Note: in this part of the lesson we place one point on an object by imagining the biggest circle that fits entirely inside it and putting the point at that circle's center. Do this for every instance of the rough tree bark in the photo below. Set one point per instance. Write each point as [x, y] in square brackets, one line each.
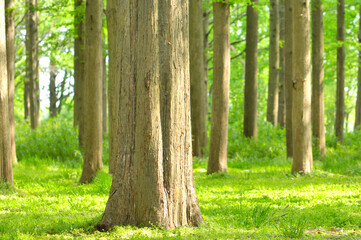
[52, 89]
[250, 89]
[79, 65]
[302, 151]
[358, 103]
[340, 94]
[32, 54]
[318, 119]
[272, 101]
[282, 87]
[153, 180]
[93, 137]
[288, 74]
[220, 98]
[198, 88]
[10, 53]
[6, 172]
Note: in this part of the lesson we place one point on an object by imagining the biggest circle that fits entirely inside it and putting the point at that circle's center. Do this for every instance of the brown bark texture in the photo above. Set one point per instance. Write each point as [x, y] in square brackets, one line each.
[10, 53]
[358, 103]
[79, 67]
[32, 54]
[272, 101]
[6, 172]
[206, 13]
[220, 97]
[301, 122]
[153, 179]
[52, 90]
[340, 93]
[198, 86]
[93, 137]
[250, 89]
[318, 118]
[282, 87]
[288, 74]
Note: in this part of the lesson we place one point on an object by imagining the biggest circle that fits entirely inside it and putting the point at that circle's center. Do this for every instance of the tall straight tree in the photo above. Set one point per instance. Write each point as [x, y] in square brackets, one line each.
[318, 119]
[272, 101]
[6, 172]
[32, 54]
[250, 89]
[10, 53]
[340, 94]
[301, 122]
[288, 74]
[52, 87]
[282, 87]
[153, 178]
[221, 77]
[206, 13]
[93, 90]
[358, 103]
[79, 67]
[198, 85]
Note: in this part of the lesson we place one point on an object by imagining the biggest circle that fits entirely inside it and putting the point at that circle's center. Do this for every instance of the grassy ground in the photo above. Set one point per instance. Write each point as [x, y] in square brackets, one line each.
[255, 200]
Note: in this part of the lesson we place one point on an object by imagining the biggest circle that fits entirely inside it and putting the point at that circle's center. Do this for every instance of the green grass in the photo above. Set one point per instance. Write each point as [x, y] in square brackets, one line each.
[256, 200]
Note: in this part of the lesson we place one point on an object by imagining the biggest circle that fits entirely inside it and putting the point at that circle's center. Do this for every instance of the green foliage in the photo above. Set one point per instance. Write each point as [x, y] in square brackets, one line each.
[56, 139]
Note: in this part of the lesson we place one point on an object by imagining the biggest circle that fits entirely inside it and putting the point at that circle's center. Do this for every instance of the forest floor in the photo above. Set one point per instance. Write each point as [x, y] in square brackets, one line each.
[255, 200]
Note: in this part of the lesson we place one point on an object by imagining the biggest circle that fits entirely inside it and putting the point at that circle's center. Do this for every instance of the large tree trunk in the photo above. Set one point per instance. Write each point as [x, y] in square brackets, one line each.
[282, 87]
[220, 97]
[206, 13]
[10, 53]
[340, 94]
[250, 89]
[32, 50]
[301, 122]
[93, 90]
[153, 180]
[198, 87]
[358, 103]
[272, 101]
[288, 74]
[318, 119]
[6, 172]
[52, 89]
[79, 65]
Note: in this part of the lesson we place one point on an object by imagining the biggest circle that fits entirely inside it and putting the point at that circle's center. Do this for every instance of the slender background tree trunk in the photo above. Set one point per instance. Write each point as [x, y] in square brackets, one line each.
[206, 13]
[282, 87]
[10, 53]
[272, 102]
[318, 119]
[52, 89]
[302, 151]
[250, 89]
[198, 86]
[288, 74]
[93, 90]
[104, 96]
[340, 94]
[6, 172]
[220, 96]
[358, 103]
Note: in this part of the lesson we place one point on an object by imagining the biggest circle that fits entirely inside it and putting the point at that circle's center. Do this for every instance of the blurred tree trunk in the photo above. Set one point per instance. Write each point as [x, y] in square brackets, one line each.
[274, 55]
[220, 97]
[302, 151]
[358, 103]
[250, 89]
[340, 94]
[288, 74]
[318, 119]
[153, 180]
[104, 97]
[79, 64]
[206, 13]
[32, 53]
[282, 87]
[93, 90]
[52, 89]
[198, 86]
[10, 53]
[26, 95]
[6, 172]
